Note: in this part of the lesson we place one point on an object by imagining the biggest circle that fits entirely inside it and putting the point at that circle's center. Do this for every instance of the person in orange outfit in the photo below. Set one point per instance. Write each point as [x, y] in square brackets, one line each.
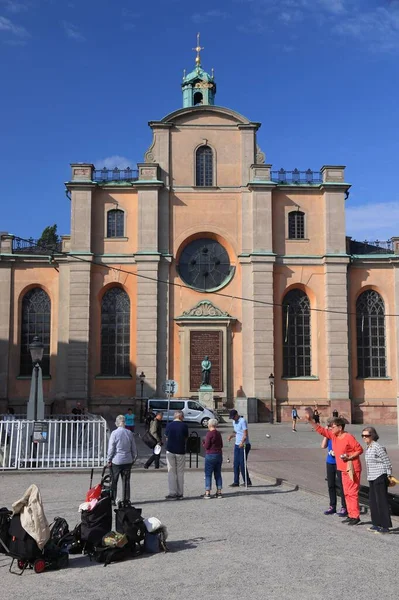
[347, 451]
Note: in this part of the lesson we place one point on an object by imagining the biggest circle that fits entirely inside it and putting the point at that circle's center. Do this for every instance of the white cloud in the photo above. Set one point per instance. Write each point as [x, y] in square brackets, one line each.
[73, 32]
[9, 27]
[111, 162]
[209, 15]
[377, 221]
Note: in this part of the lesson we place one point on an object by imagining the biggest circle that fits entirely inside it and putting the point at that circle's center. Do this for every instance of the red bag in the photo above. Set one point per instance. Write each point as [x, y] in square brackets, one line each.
[94, 493]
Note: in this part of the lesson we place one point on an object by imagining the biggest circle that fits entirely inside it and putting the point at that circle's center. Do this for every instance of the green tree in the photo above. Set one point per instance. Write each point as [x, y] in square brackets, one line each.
[49, 237]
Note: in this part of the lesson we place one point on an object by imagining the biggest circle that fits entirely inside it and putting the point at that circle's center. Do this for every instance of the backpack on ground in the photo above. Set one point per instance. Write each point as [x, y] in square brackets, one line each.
[128, 520]
[59, 529]
[155, 541]
[22, 546]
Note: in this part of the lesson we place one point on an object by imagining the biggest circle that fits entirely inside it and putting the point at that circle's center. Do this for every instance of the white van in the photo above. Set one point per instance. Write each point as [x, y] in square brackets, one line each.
[193, 411]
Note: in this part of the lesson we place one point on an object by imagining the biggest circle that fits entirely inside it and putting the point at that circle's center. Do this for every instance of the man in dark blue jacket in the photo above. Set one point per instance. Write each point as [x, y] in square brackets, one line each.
[176, 437]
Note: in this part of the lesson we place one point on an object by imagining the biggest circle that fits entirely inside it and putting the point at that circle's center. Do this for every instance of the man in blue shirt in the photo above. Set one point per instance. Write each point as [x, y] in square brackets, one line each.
[242, 445]
[176, 434]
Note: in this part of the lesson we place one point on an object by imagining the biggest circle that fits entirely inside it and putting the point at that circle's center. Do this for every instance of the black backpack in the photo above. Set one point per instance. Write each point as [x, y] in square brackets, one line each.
[106, 555]
[150, 417]
[58, 531]
[128, 520]
[5, 518]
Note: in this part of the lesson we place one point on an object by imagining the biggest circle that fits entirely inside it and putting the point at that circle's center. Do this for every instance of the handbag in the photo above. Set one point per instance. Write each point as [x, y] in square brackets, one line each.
[392, 481]
[149, 440]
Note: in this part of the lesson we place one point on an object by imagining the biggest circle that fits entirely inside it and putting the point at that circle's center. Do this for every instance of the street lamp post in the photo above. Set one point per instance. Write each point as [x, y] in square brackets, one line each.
[36, 349]
[271, 381]
[142, 380]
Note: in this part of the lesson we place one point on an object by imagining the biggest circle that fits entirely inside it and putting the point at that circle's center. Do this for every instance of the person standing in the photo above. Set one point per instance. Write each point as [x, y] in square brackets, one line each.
[379, 469]
[122, 453]
[176, 438]
[213, 445]
[347, 451]
[155, 430]
[294, 416]
[334, 480]
[242, 444]
[129, 420]
[316, 416]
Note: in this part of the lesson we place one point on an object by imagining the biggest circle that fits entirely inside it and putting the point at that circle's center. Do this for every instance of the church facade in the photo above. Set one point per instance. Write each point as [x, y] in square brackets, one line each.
[205, 250]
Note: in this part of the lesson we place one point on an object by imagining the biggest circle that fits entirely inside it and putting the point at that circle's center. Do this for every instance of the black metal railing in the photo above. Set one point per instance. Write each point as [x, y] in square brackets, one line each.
[31, 246]
[371, 247]
[301, 177]
[106, 175]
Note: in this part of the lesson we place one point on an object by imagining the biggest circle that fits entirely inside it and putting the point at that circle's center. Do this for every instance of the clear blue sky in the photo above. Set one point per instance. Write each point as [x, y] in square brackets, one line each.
[81, 79]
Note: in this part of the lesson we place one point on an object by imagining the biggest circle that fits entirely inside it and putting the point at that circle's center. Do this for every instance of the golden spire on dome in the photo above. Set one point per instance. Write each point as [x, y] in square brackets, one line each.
[198, 49]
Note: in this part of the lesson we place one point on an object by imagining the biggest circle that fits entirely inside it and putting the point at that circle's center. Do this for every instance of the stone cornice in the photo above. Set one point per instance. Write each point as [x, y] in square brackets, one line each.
[205, 310]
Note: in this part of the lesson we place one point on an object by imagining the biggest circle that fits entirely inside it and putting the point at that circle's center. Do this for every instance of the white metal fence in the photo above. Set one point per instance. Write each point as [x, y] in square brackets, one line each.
[71, 443]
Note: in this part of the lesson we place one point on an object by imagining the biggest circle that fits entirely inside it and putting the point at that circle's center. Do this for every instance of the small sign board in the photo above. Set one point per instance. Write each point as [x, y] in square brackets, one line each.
[40, 432]
[170, 387]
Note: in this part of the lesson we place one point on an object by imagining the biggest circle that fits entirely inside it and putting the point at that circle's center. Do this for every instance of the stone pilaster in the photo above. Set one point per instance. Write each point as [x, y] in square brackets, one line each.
[336, 322]
[147, 327]
[79, 330]
[5, 319]
[263, 324]
[248, 148]
[163, 322]
[61, 382]
[394, 323]
[81, 188]
[334, 188]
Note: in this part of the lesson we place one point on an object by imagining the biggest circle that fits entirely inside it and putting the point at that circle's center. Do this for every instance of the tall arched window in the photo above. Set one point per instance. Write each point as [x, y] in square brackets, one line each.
[370, 331]
[296, 225]
[115, 332]
[204, 167]
[296, 334]
[115, 223]
[36, 320]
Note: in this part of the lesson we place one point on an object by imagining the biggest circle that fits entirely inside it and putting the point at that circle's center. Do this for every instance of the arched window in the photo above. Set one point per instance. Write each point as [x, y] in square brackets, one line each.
[296, 334]
[204, 167]
[115, 223]
[296, 225]
[115, 332]
[36, 320]
[370, 330]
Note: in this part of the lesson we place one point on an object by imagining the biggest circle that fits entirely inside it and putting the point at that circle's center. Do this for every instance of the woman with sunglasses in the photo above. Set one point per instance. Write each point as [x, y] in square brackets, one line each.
[379, 468]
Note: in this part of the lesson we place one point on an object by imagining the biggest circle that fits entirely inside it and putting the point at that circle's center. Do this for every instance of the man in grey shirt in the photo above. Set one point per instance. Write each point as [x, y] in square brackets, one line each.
[122, 453]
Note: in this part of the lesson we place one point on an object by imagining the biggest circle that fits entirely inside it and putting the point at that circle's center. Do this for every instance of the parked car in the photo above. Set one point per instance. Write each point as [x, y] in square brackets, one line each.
[194, 412]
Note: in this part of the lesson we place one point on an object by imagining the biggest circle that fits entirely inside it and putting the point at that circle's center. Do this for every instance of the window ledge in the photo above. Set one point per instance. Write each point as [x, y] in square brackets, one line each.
[206, 187]
[116, 239]
[374, 378]
[113, 377]
[311, 378]
[297, 240]
[26, 377]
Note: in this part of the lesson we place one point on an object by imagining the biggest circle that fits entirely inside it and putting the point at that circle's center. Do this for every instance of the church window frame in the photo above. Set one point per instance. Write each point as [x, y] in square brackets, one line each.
[205, 166]
[296, 225]
[297, 340]
[35, 321]
[115, 223]
[115, 333]
[371, 336]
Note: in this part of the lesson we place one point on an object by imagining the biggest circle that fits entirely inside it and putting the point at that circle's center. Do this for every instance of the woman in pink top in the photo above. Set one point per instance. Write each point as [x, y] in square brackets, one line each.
[347, 451]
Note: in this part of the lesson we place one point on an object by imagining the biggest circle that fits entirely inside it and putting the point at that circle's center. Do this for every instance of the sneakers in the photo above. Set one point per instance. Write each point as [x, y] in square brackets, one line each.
[373, 528]
[354, 521]
[382, 530]
[342, 512]
[171, 497]
[218, 494]
[294, 430]
[207, 496]
[179, 497]
[347, 520]
[331, 510]
[234, 485]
